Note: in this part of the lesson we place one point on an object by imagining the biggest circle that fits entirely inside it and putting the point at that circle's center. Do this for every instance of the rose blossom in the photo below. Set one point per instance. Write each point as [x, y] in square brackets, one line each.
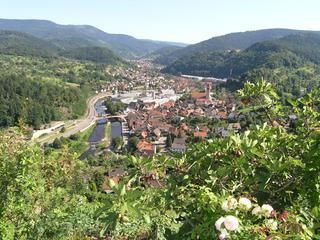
[266, 209]
[245, 203]
[256, 210]
[231, 223]
[219, 223]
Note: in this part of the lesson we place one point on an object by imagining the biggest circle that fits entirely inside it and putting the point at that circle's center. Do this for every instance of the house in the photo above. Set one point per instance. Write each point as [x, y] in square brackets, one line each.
[179, 145]
[156, 114]
[145, 148]
[198, 112]
[198, 95]
[200, 134]
[157, 132]
[114, 175]
[184, 127]
[149, 105]
[168, 105]
[222, 115]
[234, 127]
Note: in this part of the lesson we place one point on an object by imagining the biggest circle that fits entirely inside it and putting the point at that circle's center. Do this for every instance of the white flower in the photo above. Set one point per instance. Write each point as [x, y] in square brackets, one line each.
[272, 224]
[231, 223]
[256, 211]
[223, 234]
[266, 209]
[245, 203]
[229, 204]
[225, 206]
[219, 223]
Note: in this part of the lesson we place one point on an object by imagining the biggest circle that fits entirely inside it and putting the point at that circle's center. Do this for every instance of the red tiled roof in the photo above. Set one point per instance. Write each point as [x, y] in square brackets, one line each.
[222, 114]
[200, 134]
[168, 104]
[156, 113]
[197, 95]
[144, 146]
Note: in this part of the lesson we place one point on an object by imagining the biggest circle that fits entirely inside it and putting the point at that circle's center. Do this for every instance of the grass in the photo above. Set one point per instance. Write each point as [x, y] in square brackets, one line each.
[81, 144]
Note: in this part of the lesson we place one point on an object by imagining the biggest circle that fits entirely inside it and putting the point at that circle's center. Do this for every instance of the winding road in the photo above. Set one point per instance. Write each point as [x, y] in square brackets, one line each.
[75, 126]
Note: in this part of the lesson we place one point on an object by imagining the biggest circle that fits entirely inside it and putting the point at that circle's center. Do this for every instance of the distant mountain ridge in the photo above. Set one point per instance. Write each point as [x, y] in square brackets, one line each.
[78, 36]
[232, 41]
[22, 44]
[291, 63]
[289, 51]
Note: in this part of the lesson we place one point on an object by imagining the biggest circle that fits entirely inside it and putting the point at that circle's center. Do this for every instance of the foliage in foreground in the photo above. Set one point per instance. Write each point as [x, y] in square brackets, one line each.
[261, 184]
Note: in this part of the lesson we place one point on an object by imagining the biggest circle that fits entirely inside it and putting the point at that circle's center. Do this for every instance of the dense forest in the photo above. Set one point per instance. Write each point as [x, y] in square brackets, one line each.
[16, 43]
[41, 90]
[262, 183]
[21, 44]
[291, 63]
[37, 102]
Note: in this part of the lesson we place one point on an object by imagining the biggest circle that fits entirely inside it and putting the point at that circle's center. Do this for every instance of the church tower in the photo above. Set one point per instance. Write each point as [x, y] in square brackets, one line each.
[208, 91]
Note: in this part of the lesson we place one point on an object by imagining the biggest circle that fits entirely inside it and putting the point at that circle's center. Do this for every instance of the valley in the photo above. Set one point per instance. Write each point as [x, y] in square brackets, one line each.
[108, 136]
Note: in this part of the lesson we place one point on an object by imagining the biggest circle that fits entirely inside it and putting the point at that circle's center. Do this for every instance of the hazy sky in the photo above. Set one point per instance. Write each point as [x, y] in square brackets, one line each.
[187, 21]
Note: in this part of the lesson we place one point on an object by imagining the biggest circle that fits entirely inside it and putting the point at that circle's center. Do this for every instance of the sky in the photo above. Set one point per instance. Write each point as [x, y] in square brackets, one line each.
[187, 21]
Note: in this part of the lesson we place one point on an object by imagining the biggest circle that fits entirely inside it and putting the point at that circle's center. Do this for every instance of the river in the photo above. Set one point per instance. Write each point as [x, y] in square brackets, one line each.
[116, 129]
[98, 132]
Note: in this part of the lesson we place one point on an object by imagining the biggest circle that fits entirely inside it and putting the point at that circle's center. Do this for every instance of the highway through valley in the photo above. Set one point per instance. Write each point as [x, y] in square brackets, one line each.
[72, 126]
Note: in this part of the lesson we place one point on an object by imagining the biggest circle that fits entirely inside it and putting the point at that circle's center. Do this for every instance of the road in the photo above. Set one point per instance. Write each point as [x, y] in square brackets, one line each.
[75, 126]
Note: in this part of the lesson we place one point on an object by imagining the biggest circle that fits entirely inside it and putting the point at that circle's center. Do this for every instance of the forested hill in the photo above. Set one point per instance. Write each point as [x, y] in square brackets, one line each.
[290, 51]
[293, 58]
[78, 36]
[232, 41]
[16, 43]
[22, 44]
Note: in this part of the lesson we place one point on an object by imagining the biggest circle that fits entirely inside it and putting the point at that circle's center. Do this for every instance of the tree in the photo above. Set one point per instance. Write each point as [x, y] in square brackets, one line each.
[117, 142]
[57, 143]
[132, 143]
[169, 141]
[63, 129]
